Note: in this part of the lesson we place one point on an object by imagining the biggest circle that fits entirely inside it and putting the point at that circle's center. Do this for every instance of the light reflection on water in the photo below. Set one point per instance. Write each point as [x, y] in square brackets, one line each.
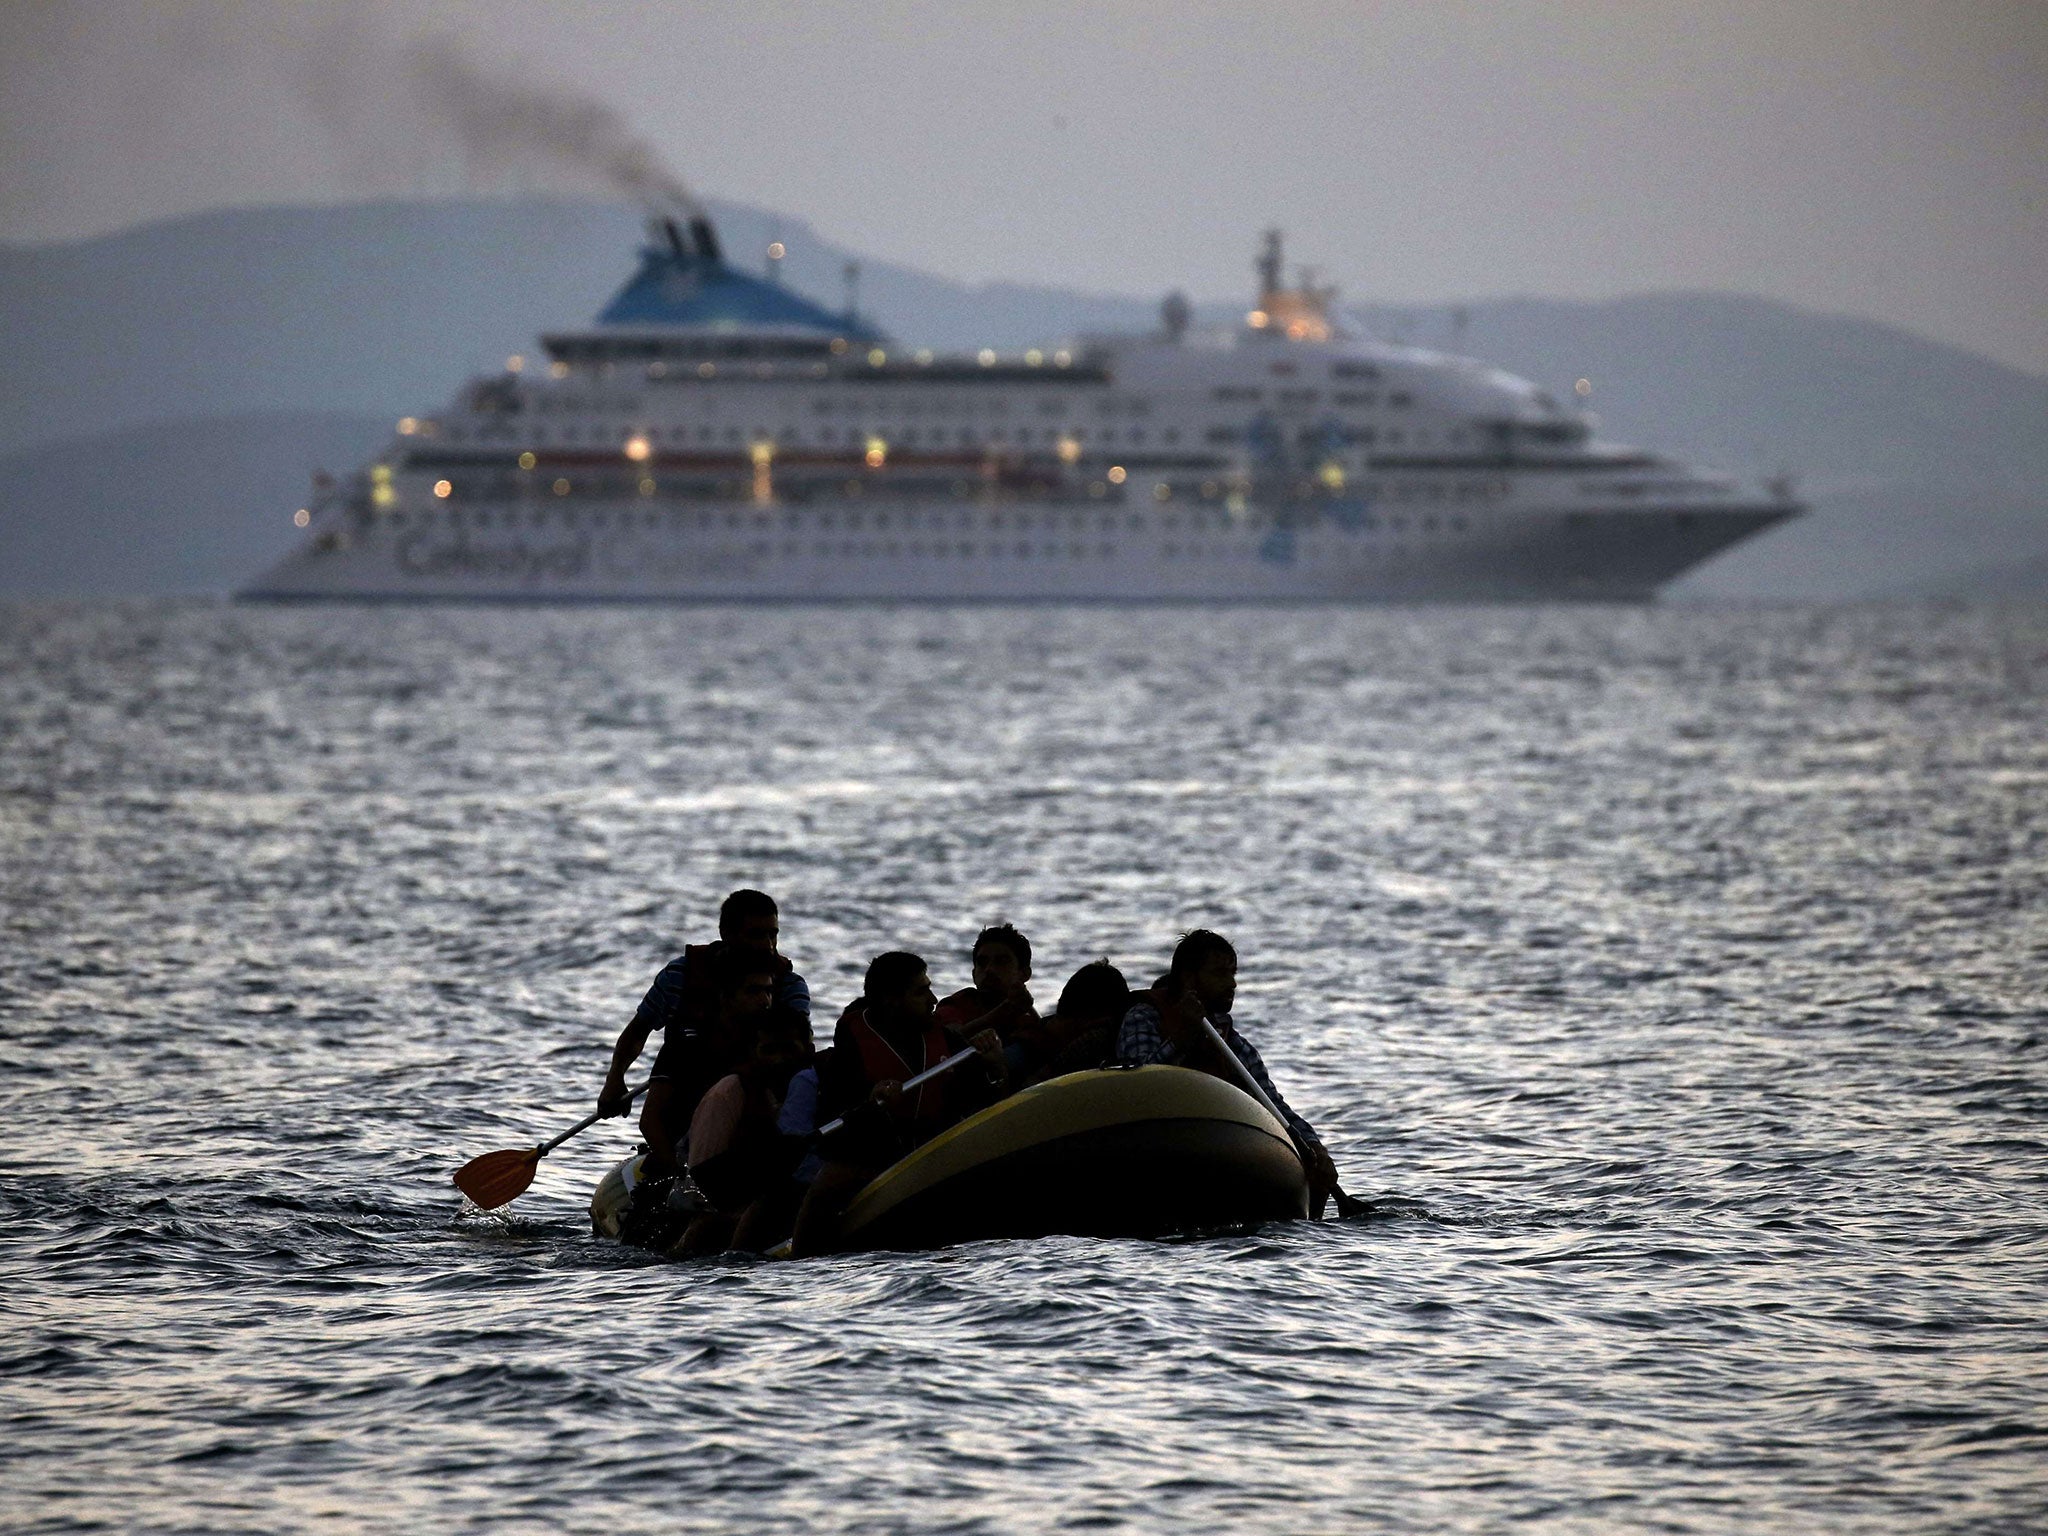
[1679, 971]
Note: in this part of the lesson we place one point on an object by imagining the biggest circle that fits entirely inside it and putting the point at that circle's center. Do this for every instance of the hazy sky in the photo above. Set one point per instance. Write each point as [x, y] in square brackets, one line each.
[1886, 159]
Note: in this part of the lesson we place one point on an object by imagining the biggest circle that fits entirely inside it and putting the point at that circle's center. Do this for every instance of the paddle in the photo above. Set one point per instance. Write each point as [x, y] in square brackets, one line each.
[1347, 1205]
[499, 1178]
[923, 1077]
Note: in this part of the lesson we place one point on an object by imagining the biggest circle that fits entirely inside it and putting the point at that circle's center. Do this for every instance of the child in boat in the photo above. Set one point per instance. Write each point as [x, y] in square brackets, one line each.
[737, 1158]
[888, 1035]
[1163, 1025]
[1082, 1032]
[999, 999]
[681, 992]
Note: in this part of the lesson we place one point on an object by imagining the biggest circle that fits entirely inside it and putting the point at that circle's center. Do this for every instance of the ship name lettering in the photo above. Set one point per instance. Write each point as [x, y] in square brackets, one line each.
[430, 555]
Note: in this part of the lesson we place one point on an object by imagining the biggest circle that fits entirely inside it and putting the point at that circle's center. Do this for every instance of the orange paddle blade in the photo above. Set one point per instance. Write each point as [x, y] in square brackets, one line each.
[498, 1178]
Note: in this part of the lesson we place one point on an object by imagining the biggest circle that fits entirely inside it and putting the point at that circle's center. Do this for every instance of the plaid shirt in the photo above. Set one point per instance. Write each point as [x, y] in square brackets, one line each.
[1140, 1043]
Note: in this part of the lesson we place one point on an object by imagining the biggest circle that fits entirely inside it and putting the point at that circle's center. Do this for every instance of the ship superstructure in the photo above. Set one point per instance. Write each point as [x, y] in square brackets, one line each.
[717, 435]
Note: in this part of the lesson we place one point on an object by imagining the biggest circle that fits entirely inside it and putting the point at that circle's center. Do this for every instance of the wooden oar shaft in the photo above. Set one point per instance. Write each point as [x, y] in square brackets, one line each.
[918, 1081]
[586, 1123]
[1250, 1084]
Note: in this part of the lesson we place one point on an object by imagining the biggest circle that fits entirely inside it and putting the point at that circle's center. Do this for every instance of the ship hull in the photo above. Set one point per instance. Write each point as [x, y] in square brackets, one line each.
[627, 553]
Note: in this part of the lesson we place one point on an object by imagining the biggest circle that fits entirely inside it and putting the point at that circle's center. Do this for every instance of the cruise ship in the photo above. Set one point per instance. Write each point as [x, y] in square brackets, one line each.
[718, 436]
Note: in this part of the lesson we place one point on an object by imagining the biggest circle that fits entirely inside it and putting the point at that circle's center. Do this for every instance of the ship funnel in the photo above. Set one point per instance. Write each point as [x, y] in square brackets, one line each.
[673, 233]
[705, 237]
[1268, 264]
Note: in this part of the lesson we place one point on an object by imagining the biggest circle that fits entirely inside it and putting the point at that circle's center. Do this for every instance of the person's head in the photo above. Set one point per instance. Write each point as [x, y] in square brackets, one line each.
[749, 917]
[1095, 993]
[898, 989]
[1207, 962]
[1002, 960]
[782, 1043]
[743, 982]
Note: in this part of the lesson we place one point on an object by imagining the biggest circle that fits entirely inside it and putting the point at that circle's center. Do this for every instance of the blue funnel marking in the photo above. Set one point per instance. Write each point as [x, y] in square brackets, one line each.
[672, 290]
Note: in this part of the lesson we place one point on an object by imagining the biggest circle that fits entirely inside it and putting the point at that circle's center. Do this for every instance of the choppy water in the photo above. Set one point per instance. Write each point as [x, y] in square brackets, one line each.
[1681, 971]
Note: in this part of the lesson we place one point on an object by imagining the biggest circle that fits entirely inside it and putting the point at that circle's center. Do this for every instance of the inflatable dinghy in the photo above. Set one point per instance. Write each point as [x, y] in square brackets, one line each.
[1119, 1152]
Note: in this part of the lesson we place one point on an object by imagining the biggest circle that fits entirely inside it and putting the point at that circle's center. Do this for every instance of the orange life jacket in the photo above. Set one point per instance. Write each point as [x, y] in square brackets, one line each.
[881, 1062]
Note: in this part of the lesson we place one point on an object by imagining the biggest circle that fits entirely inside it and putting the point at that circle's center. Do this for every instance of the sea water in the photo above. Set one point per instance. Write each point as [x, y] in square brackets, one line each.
[1675, 978]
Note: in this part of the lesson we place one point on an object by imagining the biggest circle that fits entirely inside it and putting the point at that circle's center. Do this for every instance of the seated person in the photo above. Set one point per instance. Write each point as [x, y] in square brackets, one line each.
[1164, 1025]
[1082, 1031]
[772, 1215]
[736, 1155]
[888, 1035]
[680, 993]
[742, 987]
[999, 999]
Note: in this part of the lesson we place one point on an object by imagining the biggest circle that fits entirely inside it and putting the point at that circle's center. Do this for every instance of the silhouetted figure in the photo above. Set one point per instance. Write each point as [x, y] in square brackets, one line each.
[737, 1158]
[740, 983]
[999, 999]
[680, 994]
[886, 1036]
[1164, 1025]
[1082, 1032]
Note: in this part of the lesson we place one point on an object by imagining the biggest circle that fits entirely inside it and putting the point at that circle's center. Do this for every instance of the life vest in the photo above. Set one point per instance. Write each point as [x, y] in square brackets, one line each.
[881, 1062]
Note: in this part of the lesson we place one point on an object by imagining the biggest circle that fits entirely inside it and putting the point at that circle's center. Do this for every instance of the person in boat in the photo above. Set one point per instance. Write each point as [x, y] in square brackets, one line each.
[681, 990]
[1000, 999]
[889, 1034]
[1082, 1032]
[741, 983]
[1164, 1025]
[738, 1159]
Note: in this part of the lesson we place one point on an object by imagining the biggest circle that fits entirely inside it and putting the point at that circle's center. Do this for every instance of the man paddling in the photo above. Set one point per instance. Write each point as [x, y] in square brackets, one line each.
[1164, 1026]
[680, 993]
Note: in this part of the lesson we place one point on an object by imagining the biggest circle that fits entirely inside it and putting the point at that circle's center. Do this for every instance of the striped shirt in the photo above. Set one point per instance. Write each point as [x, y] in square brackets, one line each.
[1141, 1043]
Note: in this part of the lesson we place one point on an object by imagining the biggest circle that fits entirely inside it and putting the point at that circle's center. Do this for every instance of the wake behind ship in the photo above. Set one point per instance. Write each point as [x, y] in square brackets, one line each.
[718, 436]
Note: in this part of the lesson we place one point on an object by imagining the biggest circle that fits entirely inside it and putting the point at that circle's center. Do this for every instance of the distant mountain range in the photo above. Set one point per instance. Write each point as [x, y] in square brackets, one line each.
[168, 390]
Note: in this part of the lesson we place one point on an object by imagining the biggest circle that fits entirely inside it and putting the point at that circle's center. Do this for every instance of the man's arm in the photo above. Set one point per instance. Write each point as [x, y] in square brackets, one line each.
[654, 1012]
[632, 1041]
[1256, 1065]
[1322, 1172]
[792, 993]
[1169, 1035]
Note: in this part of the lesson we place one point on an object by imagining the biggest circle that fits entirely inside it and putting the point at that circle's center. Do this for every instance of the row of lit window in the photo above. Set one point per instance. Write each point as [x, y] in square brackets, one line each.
[935, 521]
[507, 431]
[1207, 490]
[824, 437]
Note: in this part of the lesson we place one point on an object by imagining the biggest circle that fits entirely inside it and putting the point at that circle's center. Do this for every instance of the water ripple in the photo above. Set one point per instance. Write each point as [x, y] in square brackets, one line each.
[1669, 979]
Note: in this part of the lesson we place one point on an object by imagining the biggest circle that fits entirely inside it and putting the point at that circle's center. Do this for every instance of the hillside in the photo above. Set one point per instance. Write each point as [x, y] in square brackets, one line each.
[178, 507]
